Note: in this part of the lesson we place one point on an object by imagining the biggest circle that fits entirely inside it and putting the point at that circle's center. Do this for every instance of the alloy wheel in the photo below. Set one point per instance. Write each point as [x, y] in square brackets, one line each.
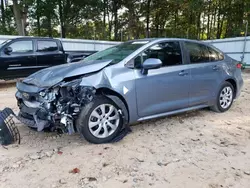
[104, 120]
[226, 97]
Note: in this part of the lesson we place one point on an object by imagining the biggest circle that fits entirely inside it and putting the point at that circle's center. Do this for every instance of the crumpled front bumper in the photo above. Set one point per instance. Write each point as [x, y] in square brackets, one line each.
[33, 117]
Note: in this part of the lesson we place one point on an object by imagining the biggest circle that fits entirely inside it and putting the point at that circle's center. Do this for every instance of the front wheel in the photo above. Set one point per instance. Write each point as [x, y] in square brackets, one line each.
[100, 121]
[225, 98]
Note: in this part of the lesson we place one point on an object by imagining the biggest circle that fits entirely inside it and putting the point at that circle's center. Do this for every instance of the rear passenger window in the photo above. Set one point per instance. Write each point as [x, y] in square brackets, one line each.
[168, 52]
[198, 52]
[215, 55]
[46, 46]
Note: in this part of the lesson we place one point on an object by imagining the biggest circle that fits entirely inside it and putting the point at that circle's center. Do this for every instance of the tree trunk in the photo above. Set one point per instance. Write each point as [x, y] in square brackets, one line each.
[109, 23]
[61, 17]
[218, 34]
[208, 22]
[49, 25]
[203, 26]
[18, 18]
[198, 26]
[38, 26]
[104, 19]
[190, 23]
[213, 23]
[175, 20]
[157, 24]
[229, 29]
[221, 26]
[38, 18]
[148, 18]
[115, 11]
[131, 20]
[3, 15]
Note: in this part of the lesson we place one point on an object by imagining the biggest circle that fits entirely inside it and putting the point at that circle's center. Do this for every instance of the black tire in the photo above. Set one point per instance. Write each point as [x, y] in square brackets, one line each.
[217, 107]
[83, 120]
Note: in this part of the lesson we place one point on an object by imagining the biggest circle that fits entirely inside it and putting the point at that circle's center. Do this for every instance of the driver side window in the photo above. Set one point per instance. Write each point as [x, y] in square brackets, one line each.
[22, 46]
[168, 52]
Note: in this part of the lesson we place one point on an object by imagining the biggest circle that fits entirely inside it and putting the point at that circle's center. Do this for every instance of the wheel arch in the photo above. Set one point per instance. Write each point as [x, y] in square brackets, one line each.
[233, 82]
[108, 92]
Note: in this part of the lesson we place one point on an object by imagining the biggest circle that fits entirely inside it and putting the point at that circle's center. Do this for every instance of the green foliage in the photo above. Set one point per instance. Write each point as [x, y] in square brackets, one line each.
[127, 19]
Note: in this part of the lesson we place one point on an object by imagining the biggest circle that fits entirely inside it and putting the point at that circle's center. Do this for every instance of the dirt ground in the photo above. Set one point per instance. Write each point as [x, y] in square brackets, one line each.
[195, 149]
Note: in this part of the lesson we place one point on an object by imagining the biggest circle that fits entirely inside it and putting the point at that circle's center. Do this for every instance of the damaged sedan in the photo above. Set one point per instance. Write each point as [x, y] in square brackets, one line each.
[134, 81]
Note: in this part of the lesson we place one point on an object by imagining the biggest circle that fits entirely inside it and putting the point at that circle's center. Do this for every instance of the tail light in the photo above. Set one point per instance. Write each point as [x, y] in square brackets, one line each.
[239, 65]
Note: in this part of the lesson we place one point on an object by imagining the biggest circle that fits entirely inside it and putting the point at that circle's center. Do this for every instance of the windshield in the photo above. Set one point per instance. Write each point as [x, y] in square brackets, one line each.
[117, 53]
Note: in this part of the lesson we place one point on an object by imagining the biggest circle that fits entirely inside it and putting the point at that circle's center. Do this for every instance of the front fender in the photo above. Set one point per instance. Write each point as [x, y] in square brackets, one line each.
[120, 80]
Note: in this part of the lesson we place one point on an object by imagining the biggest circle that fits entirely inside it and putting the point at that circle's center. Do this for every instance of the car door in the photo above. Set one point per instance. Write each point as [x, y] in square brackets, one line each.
[48, 53]
[167, 88]
[20, 62]
[205, 73]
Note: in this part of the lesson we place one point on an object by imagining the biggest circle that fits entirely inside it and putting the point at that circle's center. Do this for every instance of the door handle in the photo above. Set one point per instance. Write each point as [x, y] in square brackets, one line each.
[183, 73]
[215, 68]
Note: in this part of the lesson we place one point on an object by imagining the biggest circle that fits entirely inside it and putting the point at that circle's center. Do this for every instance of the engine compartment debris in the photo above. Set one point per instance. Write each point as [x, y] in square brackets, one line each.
[56, 108]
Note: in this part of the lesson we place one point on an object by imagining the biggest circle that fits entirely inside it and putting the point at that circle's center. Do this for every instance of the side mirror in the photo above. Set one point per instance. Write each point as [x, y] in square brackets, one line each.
[151, 63]
[7, 50]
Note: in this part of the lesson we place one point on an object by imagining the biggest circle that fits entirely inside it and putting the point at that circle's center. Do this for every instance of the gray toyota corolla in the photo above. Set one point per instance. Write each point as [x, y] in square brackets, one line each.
[134, 81]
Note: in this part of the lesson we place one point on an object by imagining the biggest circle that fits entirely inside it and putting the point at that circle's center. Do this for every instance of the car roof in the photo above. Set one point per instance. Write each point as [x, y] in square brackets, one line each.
[28, 37]
[173, 39]
[177, 39]
[144, 39]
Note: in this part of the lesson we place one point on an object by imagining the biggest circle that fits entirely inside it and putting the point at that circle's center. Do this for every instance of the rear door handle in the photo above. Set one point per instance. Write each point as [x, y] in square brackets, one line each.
[183, 73]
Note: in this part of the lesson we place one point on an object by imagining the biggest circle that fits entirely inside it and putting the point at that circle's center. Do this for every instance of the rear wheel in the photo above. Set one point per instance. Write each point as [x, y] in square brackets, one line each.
[225, 98]
[100, 121]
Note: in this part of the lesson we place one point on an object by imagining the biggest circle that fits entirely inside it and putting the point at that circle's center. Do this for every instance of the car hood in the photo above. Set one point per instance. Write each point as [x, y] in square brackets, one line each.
[50, 76]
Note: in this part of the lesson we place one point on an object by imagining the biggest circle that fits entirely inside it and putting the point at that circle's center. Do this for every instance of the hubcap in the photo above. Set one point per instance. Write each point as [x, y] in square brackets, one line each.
[104, 120]
[226, 97]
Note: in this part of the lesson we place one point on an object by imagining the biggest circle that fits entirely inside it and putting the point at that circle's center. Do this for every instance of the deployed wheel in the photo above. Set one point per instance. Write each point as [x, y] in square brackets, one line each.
[225, 98]
[99, 121]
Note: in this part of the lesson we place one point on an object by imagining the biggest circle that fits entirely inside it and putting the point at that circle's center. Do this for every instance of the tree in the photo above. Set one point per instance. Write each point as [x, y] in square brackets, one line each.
[3, 15]
[17, 9]
[125, 19]
[148, 17]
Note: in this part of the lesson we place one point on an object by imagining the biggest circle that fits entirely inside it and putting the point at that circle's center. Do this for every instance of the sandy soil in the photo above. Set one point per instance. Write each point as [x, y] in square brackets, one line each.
[195, 149]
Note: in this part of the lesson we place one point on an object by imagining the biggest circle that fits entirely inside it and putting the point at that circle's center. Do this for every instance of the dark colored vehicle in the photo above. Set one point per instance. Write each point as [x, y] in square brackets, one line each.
[23, 56]
[131, 82]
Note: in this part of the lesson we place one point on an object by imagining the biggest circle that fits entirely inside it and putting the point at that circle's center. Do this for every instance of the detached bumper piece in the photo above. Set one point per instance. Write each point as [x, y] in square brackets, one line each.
[33, 117]
[9, 132]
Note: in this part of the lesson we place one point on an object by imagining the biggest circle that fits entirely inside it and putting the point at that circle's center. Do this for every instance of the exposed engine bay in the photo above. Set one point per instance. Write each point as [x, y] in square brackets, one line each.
[56, 108]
